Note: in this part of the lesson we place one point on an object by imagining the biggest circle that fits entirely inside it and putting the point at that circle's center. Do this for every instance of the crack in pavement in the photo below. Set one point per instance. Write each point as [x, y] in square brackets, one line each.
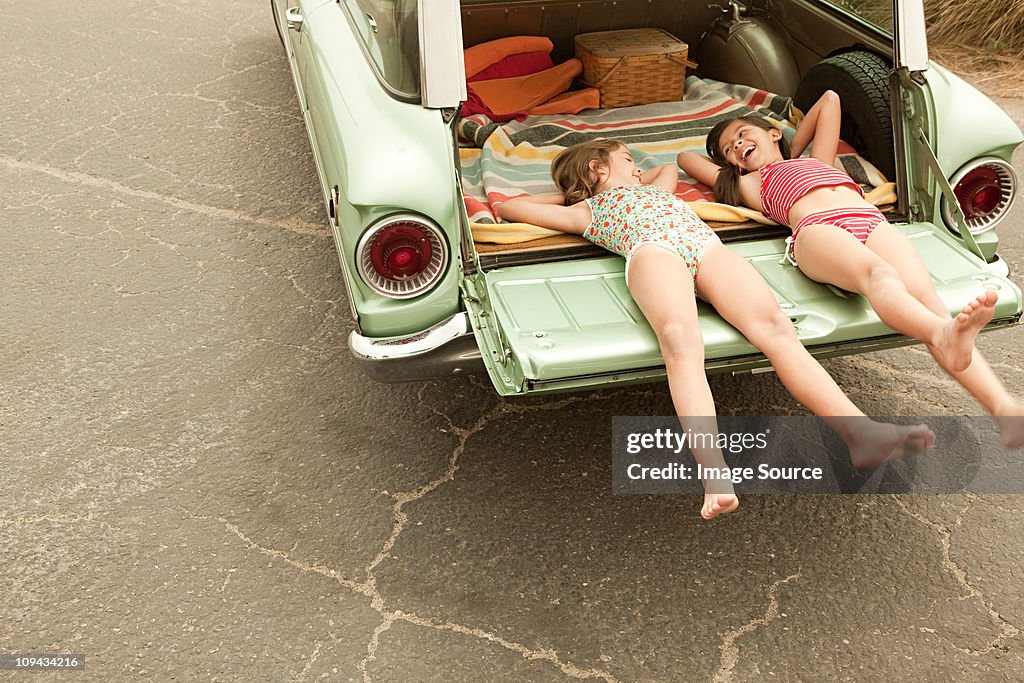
[1008, 629]
[368, 587]
[401, 520]
[87, 180]
[301, 676]
[730, 653]
[281, 555]
[544, 654]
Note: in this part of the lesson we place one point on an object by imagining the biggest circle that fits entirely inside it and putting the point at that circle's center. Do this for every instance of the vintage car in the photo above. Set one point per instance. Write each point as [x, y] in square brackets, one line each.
[380, 84]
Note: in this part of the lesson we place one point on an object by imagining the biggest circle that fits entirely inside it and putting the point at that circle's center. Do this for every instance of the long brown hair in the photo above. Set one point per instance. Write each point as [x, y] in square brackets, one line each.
[571, 168]
[727, 184]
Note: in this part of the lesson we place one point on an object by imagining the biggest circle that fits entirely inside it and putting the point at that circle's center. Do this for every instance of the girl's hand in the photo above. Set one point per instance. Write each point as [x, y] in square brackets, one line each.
[666, 177]
[820, 129]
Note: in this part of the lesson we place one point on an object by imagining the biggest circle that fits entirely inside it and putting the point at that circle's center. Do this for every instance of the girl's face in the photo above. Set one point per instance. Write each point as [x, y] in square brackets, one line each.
[620, 169]
[749, 147]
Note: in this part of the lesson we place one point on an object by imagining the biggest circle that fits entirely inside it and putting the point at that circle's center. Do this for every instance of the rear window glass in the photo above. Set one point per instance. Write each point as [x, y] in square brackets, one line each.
[390, 32]
[875, 12]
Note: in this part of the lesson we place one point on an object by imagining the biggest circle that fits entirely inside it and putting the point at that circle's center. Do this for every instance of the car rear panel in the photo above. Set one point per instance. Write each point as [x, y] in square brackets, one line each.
[574, 324]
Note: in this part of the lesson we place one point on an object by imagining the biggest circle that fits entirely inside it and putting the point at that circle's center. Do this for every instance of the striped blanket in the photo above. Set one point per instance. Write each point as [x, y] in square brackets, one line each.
[514, 158]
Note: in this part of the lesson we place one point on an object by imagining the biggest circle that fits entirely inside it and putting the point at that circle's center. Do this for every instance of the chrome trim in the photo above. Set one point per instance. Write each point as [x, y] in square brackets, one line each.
[1006, 173]
[300, 93]
[999, 267]
[911, 42]
[332, 206]
[442, 63]
[446, 349]
[400, 95]
[402, 289]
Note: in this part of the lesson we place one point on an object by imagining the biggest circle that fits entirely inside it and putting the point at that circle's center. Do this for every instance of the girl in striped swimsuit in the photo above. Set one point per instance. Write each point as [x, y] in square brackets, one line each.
[672, 257]
[840, 239]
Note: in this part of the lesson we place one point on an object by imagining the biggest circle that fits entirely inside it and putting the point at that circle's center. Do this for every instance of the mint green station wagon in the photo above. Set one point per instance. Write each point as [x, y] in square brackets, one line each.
[380, 84]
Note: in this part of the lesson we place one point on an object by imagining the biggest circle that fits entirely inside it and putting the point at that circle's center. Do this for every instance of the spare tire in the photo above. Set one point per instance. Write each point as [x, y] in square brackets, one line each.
[861, 79]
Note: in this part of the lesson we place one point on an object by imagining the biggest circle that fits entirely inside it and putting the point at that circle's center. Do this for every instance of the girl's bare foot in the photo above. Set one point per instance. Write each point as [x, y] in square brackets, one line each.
[718, 504]
[1011, 424]
[875, 442]
[957, 342]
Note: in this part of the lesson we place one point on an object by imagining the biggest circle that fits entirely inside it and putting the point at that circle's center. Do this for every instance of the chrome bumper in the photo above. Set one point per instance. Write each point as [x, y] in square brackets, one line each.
[999, 267]
[443, 350]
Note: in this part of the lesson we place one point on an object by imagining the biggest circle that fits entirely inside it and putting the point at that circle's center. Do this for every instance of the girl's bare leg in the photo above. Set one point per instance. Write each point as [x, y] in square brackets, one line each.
[830, 254]
[741, 296]
[978, 379]
[662, 287]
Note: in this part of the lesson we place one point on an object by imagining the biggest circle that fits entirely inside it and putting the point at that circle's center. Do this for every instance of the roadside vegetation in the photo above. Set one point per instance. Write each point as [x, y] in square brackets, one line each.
[982, 40]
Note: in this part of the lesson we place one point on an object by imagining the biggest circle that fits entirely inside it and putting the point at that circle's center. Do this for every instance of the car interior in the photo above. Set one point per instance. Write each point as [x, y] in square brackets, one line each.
[754, 54]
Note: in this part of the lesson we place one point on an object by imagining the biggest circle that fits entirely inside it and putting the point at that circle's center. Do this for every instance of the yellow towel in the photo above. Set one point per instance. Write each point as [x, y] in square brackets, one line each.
[509, 233]
[882, 195]
[727, 213]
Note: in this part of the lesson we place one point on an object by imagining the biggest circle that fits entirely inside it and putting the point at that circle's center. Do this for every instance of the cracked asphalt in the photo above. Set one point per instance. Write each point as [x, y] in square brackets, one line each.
[197, 483]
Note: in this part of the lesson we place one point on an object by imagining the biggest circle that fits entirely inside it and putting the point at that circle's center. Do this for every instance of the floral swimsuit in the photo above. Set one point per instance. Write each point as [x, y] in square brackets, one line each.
[628, 217]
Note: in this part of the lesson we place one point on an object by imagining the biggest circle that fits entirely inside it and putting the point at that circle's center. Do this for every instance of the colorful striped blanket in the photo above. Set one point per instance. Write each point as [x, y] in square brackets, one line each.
[514, 158]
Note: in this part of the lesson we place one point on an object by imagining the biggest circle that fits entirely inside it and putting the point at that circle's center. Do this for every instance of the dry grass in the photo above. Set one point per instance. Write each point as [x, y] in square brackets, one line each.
[997, 74]
[989, 24]
[981, 40]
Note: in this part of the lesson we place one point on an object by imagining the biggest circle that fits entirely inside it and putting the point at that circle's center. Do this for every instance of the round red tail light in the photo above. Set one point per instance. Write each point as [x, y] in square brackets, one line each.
[400, 251]
[984, 189]
[402, 256]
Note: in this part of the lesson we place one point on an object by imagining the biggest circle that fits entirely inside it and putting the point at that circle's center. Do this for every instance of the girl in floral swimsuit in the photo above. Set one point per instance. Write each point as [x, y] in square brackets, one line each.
[841, 239]
[673, 257]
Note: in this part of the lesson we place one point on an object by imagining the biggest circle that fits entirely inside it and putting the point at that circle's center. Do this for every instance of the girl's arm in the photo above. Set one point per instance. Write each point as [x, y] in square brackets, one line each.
[666, 177]
[547, 211]
[820, 127]
[698, 167]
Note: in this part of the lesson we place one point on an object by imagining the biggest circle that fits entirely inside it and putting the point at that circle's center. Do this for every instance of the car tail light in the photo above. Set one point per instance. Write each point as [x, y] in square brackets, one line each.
[402, 256]
[985, 189]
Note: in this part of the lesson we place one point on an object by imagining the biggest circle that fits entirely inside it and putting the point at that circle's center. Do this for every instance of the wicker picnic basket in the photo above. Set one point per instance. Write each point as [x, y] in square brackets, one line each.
[634, 66]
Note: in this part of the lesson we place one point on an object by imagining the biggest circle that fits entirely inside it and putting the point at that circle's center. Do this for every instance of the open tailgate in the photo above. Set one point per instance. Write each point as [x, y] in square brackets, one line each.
[571, 324]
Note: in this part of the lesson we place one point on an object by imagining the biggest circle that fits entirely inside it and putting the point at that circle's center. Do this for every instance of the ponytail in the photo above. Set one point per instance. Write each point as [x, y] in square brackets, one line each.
[727, 185]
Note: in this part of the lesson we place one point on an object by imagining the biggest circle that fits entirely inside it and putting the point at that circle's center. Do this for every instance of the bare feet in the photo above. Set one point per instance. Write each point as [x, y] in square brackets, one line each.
[875, 442]
[957, 344]
[718, 504]
[1011, 424]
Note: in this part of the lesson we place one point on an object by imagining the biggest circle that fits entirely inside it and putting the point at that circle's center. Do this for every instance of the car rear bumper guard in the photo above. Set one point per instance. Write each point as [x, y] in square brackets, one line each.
[443, 350]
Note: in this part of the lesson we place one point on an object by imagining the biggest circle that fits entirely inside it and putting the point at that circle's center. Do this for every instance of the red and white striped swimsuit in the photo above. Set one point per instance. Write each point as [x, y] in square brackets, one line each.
[785, 182]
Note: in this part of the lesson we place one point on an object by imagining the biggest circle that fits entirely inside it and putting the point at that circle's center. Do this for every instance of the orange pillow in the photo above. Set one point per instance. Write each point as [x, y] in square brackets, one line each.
[509, 95]
[481, 56]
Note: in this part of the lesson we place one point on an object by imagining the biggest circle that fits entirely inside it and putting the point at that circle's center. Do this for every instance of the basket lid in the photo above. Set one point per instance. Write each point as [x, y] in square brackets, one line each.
[630, 42]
